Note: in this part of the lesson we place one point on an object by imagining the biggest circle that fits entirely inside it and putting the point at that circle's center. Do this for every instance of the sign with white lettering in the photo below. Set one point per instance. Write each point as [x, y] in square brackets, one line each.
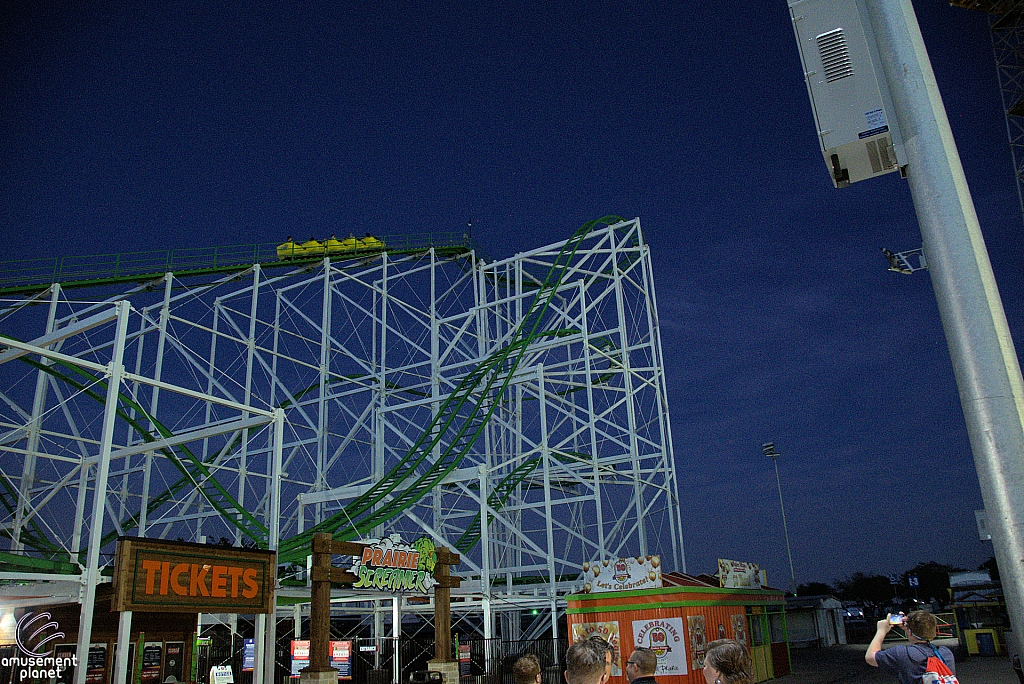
[157, 576]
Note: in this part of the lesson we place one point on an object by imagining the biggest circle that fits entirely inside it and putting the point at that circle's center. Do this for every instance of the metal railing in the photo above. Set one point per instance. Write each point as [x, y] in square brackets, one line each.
[106, 267]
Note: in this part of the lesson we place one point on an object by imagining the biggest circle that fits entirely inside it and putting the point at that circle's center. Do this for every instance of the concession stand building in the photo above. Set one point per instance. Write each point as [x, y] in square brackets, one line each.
[678, 622]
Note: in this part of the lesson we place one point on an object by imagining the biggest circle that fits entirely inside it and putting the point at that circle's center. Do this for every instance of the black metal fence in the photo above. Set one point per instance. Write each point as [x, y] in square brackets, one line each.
[373, 660]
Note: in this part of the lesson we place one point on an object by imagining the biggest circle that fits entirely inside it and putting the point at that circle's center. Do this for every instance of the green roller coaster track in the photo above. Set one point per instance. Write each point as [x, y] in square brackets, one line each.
[194, 471]
[479, 391]
[462, 415]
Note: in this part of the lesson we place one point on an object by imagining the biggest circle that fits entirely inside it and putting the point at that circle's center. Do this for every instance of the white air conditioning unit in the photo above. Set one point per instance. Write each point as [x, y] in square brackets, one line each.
[849, 95]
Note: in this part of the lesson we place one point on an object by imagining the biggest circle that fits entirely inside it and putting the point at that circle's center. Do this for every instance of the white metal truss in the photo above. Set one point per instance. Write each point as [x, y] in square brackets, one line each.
[1006, 21]
[355, 357]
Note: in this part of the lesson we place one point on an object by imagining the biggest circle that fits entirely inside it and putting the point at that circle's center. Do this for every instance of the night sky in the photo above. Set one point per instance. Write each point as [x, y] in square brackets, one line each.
[126, 128]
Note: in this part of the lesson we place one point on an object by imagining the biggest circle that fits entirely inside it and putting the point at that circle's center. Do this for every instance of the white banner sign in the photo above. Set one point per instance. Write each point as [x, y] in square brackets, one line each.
[622, 574]
[221, 674]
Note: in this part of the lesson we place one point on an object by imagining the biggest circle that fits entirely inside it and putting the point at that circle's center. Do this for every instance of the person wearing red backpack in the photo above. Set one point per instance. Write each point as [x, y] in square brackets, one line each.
[908, 662]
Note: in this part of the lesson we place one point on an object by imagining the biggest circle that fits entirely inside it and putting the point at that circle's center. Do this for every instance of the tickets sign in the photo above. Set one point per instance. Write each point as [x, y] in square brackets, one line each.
[622, 574]
[389, 564]
[158, 576]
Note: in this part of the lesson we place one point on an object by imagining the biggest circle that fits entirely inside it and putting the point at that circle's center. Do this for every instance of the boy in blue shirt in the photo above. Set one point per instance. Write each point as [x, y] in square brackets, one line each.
[907, 661]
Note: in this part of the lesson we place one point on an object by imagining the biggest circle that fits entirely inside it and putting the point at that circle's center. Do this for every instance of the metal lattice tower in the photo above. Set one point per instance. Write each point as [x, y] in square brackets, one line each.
[1006, 22]
[513, 410]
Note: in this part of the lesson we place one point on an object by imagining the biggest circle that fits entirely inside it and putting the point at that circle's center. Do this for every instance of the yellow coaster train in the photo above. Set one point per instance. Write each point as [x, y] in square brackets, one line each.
[315, 248]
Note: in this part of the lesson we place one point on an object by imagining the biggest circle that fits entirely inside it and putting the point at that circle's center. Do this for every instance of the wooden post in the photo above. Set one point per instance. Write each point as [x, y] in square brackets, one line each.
[442, 608]
[187, 648]
[443, 661]
[323, 574]
[320, 606]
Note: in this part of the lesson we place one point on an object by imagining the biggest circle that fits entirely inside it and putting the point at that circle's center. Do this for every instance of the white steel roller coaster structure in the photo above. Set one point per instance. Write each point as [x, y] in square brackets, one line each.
[513, 410]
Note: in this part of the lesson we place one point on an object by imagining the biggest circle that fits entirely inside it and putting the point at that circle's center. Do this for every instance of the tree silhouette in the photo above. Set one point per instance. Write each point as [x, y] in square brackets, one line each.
[864, 588]
[932, 579]
[815, 589]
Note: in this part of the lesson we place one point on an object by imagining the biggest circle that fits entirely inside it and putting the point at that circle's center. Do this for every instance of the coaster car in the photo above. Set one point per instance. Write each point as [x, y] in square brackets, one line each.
[312, 248]
[288, 250]
[332, 246]
[336, 246]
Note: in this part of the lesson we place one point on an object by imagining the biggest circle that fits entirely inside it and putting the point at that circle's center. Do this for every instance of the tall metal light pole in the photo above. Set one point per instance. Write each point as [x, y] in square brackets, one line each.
[768, 449]
[985, 364]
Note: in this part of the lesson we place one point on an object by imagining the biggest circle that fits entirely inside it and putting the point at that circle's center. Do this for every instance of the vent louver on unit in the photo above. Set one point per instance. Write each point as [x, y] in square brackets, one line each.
[879, 155]
[835, 58]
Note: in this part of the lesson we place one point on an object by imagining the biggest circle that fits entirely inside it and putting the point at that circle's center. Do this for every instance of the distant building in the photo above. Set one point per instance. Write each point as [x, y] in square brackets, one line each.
[815, 621]
[980, 609]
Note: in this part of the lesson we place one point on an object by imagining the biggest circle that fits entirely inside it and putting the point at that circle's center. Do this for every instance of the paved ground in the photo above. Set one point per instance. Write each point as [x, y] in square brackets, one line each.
[845, 664]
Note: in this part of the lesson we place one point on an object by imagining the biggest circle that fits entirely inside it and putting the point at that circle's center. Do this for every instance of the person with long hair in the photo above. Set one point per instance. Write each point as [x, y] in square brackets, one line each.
[727, 661]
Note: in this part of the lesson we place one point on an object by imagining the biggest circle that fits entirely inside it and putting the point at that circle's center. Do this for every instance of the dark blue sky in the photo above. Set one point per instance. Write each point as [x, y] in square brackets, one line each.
[186, 123]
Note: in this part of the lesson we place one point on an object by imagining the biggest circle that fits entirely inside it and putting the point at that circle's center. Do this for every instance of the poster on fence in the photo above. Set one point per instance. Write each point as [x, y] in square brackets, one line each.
[248, 655]
[340, 654]
[341, 658]
[300, 657]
